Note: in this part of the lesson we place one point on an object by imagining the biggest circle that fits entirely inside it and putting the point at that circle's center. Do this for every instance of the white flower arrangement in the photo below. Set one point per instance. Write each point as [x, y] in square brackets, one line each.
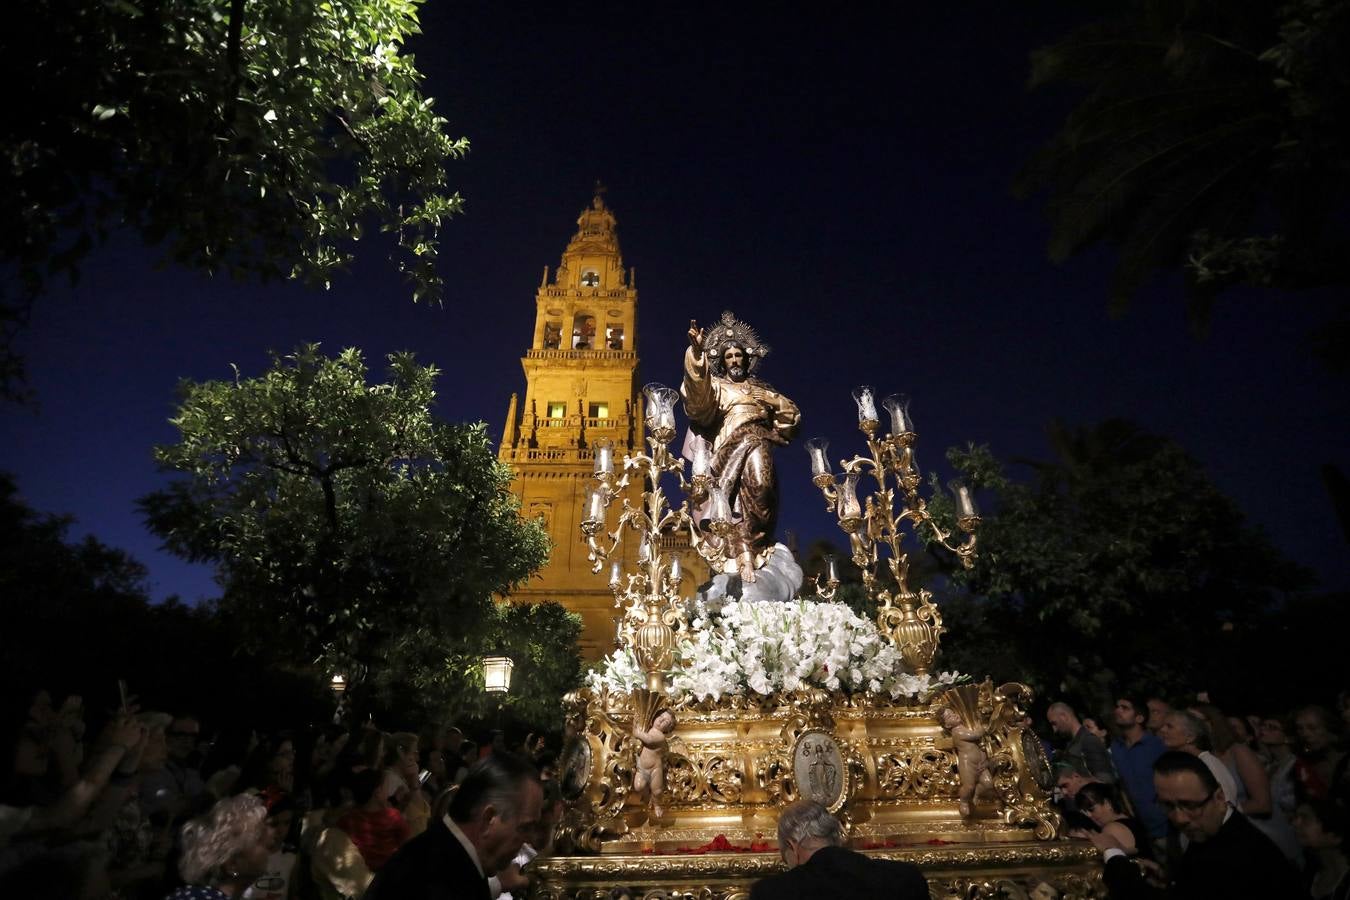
[763, 646]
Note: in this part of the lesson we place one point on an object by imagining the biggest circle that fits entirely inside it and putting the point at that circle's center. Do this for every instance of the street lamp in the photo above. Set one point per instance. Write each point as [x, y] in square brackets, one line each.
[497, 680]
[497, 674]
[338, 685]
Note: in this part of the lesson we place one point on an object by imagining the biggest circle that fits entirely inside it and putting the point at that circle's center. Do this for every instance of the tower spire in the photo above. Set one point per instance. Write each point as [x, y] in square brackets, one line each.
[580, 389]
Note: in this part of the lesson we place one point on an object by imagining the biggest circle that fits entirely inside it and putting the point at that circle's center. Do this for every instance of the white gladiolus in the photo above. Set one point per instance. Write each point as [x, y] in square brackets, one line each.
[763, 647]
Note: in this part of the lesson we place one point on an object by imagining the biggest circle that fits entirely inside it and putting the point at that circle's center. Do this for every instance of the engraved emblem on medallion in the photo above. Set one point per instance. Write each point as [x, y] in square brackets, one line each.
[819, 771]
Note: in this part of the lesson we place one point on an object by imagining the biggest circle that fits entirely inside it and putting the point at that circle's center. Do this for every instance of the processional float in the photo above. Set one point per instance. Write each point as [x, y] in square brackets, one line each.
[723, 703]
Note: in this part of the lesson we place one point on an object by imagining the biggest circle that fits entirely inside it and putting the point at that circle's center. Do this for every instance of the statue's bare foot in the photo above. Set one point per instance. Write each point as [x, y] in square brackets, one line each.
[658, 812]
[746, 564]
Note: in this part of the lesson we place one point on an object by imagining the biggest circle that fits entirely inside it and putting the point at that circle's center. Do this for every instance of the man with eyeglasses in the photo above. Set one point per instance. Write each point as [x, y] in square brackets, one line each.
[176, 789]
[1225, 857]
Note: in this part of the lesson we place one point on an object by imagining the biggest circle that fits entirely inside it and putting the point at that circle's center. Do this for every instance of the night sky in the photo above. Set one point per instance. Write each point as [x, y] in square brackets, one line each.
[840, 180]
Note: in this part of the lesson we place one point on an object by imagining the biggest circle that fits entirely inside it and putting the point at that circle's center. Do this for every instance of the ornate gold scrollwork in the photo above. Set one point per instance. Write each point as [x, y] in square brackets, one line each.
[723, 779]
[1006, 871]
[731, 764]
[1017, 763]
[915, 626]
[927, 773]
[1069, 886]
[774, 777]
[856, 762]
[682, 779]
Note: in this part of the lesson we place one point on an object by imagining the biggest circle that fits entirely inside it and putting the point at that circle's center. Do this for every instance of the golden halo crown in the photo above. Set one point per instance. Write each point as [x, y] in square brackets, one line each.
[728, 332]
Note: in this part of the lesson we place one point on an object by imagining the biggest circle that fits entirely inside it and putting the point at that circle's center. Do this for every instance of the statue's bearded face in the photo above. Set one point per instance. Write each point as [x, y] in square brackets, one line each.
[733, 363]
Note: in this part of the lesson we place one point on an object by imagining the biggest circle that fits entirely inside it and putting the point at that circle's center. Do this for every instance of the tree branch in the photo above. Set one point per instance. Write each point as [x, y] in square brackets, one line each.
[329, 502]
[233, 63]
[234, 40]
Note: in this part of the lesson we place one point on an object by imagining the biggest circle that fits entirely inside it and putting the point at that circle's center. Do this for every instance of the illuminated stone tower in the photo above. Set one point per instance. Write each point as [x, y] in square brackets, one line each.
[581, 385]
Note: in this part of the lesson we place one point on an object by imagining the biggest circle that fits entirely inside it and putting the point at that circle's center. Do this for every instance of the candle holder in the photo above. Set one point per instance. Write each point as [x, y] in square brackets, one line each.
[604, 456]
[967, 513]
[897, 405]
[653, 611]
[660, 417]
[701, 468]
[875, 526]
[818, 449]
[831, 586]
[867, 410]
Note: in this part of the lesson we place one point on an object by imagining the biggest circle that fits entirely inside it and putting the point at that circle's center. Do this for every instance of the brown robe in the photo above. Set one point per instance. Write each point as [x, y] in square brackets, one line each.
[743, 421]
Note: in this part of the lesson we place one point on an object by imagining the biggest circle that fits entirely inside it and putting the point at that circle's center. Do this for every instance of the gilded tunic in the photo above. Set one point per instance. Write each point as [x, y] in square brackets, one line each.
[742, 420]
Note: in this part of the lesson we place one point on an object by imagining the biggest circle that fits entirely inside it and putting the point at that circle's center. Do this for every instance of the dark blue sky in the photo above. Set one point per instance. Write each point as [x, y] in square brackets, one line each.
[840, 180]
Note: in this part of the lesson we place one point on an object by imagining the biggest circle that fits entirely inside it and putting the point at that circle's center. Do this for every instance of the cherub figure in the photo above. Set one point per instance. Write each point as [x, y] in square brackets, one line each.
[972, 763]
[650, 777]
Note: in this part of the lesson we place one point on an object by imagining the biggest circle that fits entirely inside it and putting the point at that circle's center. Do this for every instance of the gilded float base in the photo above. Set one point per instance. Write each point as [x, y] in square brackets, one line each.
[1017, 871]
[952, 782]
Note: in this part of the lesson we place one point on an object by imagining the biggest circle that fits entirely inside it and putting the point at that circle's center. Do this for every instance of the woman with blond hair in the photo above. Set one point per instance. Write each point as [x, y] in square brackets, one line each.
[401, 757]
[224, 851]
[1253, 783]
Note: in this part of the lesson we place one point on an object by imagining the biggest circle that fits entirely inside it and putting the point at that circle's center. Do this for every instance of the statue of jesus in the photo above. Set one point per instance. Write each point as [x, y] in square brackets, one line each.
[743, 419]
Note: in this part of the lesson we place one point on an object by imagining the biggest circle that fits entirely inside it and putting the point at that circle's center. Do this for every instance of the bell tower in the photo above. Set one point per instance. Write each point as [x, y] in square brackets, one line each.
[580, 387]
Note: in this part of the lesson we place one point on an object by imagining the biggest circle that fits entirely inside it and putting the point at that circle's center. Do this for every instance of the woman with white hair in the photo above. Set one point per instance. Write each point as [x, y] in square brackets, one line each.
[224, 850]
[1185, 731]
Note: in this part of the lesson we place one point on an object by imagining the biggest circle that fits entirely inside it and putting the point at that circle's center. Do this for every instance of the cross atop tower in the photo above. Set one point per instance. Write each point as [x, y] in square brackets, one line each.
[592, 259]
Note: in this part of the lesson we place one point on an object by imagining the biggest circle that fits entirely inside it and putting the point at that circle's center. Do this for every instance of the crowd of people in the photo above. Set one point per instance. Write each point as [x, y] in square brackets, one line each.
[158, 805]
[1206, 803]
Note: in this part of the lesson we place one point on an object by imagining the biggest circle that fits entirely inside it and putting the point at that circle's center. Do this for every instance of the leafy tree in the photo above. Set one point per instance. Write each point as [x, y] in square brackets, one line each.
[1118, 564]
[51, 584]
[348, 526]
[445, 671]
[77, 617]
[242, 137]
[1210, 140]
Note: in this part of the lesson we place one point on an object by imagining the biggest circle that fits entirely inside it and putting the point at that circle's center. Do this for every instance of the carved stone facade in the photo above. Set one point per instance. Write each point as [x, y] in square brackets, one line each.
[581, 386]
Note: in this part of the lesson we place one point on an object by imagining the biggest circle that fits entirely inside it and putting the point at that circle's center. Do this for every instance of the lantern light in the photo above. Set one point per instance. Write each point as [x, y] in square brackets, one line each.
[497, 674]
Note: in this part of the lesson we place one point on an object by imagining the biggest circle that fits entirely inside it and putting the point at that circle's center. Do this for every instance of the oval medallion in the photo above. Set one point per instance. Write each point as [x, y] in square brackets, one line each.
[819, 770]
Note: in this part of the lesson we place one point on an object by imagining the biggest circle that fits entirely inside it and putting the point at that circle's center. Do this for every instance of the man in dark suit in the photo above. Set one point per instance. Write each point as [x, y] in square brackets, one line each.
[1226, 856]
[494, 811]
[820, 867]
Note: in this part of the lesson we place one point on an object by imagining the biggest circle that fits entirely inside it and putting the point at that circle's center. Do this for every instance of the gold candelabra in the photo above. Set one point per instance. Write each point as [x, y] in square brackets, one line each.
[909, 618]
[653, 611]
